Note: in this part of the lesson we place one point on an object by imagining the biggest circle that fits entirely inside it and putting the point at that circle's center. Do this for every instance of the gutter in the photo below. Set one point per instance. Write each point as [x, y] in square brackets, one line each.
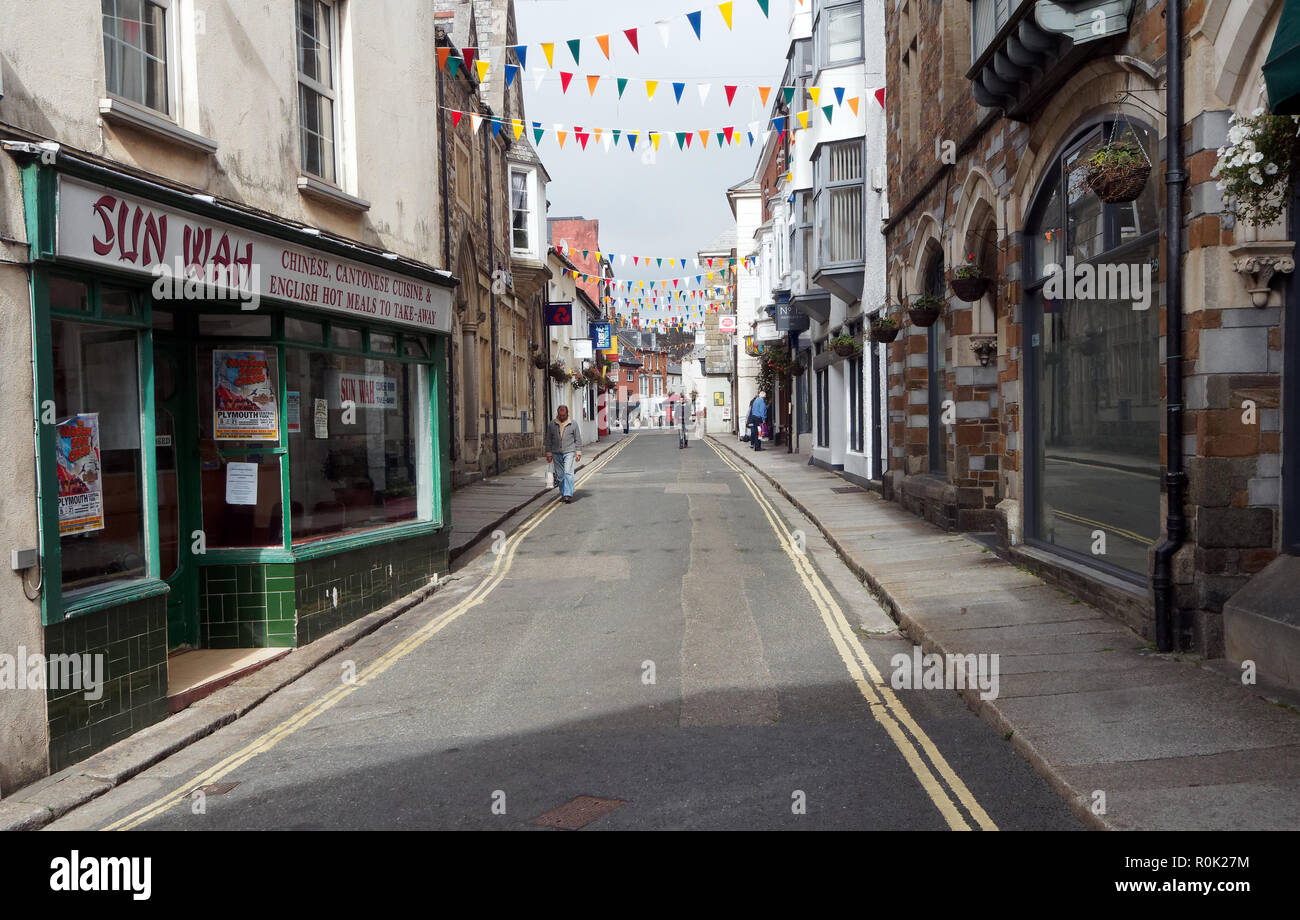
[492, 302]
[1168, 630]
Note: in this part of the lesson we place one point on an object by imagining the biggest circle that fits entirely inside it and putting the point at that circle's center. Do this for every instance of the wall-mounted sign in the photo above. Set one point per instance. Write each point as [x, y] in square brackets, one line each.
[559, 314]
[727, 323]
[103, 226]
[789, 318]
[244, 404]
[602, 334]
[582, 349]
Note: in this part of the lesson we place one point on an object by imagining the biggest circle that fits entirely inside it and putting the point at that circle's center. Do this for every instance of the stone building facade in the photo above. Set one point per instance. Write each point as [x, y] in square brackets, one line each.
[1042, 414]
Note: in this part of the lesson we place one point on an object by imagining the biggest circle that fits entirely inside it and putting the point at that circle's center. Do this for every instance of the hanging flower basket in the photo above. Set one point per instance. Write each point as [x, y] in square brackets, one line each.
[925, 310]
[1254, 168]
[1118, 172]
[797, 369]
[883, 329]
[968, 281]
[578, 381]
[559, 373]
[845, 345]
[539, 362]
[592, 374]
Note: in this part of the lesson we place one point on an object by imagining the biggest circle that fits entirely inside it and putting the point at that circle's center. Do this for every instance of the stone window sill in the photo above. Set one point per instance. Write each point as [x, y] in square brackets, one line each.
[311, 187]
[121, 112]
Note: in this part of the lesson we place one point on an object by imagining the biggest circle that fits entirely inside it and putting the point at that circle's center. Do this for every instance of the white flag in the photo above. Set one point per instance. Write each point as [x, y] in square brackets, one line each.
[664, 28]
[475, 121]
[704, 91]
[539, 74]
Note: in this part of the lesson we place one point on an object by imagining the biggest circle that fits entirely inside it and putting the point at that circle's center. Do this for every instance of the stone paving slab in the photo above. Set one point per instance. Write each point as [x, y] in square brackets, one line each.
[1173, 744]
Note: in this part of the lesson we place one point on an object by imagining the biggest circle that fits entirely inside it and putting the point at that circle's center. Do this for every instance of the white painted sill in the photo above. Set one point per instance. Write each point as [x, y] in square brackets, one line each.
[311, 187]
[122, 112]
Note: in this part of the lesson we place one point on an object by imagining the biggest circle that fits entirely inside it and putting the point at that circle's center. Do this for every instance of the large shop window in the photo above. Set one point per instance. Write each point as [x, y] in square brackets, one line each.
[1094, 317]
[100, 473]
[360, 456]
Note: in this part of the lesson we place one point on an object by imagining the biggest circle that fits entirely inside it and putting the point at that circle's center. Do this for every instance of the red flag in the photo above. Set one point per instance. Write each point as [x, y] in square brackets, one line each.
[731, 94]
[455, 119]
[631, 39]
[880, 96]
[728, 132]
[469, 54]
[564, 81]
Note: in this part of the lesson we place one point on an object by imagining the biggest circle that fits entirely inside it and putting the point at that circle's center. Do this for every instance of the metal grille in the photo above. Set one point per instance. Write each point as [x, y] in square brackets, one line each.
[577, 813]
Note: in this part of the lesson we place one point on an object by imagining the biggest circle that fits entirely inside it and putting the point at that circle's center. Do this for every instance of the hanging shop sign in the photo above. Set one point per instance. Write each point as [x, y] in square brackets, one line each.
[243, 397]
[559, 314]
[81, 501]
[602, 334]
[192, 257]
[726, 324]
[790, 318]
[363, 391]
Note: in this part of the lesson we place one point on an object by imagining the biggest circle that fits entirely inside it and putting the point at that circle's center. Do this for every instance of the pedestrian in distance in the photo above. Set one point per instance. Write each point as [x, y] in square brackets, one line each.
[563, 449]
[757, 418]
[682, 413]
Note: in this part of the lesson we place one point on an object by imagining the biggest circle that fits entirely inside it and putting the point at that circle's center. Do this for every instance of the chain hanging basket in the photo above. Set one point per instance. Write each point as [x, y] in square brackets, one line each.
[925, 310]
[969, 289]
[539, 362]
[1118, 171]
[883, 329]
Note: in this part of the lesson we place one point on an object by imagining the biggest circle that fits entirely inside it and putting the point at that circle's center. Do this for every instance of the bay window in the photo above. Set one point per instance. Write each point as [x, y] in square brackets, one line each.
[839, 203]
[521, 211]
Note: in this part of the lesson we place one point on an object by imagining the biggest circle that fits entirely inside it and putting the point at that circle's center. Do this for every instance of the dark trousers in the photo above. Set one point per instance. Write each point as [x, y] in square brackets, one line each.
[755, 441]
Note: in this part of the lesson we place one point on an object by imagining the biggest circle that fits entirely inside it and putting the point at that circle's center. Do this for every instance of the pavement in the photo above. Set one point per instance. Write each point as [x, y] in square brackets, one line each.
[678, 649]
[1130, 738]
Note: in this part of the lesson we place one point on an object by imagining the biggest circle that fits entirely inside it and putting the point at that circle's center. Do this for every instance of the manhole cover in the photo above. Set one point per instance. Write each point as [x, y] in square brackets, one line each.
[216, 788]
[846, 490]
[577, 813]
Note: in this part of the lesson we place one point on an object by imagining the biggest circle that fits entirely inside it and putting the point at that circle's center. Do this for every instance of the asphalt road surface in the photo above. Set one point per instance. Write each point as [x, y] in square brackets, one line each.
[660, 643]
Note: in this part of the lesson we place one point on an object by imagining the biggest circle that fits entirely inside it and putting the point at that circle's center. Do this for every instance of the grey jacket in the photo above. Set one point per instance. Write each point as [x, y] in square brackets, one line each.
[570, 443]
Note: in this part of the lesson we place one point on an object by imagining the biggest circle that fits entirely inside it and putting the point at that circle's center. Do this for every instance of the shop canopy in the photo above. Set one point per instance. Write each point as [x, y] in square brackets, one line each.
[1282, 68]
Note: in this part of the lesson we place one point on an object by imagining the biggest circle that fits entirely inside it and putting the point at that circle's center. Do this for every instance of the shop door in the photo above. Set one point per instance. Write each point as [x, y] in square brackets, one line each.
[178, 504]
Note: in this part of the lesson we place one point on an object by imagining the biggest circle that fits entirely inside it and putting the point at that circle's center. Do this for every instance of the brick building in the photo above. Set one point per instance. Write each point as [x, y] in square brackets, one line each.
[1043, 414]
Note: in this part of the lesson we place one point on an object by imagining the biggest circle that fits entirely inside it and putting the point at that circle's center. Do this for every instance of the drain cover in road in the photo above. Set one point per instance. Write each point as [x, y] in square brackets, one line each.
[216, 788]
[846, 490]
[577, 813]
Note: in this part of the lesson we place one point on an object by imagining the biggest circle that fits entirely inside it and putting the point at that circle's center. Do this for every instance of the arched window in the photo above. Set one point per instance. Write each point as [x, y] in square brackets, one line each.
[1092, 350]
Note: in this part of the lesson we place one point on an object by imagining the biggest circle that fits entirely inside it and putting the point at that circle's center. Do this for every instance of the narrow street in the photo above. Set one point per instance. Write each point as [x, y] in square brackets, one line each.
[661, 642]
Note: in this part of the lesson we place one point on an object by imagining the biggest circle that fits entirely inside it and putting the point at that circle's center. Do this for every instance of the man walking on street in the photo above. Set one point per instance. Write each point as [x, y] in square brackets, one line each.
[757, 418]
[563, 449]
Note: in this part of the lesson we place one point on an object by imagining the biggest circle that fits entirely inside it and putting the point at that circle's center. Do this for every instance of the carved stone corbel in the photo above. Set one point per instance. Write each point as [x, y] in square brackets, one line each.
[1259, 262]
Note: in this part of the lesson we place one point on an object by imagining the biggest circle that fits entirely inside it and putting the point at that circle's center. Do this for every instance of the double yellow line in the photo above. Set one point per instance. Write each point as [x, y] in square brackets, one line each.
[885, 706]
[500, 568]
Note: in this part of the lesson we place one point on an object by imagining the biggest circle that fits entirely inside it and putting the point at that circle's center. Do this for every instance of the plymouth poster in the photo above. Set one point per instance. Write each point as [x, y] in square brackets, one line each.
[243, 396]
[81, 495]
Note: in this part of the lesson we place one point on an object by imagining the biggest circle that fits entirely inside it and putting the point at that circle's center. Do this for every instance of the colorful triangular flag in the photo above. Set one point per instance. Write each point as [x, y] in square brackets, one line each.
[603, 42]
[763, 92]
[853, 104]
[829, 110]
[592, 80]
[678, 88]
[763, 6]
[839, 95]
[622, 85]
[725, 10]
[548, 49]
[880, 96]
[694, 19]
[469, 54]
[482, 67]
[731, 93]
[665, 26]
[521, 54]
[816, 93]
[650, 87]
[511, 71]
[443, 54]
[575, 47]
[788, 93]
[565, 79]
[632, 40]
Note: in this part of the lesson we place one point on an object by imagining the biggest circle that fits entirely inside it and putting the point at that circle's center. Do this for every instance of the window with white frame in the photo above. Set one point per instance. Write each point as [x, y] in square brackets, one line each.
[839, 34]
[521, 211]
[801, 242]
[839, 203]
[643, 385]
[138, 52]
[317, 41]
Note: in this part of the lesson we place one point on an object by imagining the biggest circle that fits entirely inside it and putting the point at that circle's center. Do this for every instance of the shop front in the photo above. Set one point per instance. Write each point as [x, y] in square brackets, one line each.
[241, 437]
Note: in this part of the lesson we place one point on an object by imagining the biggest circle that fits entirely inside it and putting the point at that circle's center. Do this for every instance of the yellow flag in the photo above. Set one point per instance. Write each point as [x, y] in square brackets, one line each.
[482, 68]
[548, 48]
[816, 93]
[725, 10]
[654, 139]
[518, 126]
[803, 119]
[650, 87]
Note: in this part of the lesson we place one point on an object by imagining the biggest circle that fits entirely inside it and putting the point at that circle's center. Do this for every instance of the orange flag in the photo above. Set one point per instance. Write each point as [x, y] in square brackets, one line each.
[853, 104]
[763, 92]
[704, 136]
[560, 136]
[443, 54]
[603, 41]
[592, 80]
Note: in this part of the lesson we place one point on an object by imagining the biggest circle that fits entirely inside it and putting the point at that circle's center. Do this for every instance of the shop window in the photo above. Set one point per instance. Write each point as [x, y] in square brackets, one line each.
[136, 54]
[100, 473]
[301, 330]
[240, 426]
[937, 371]
[317, 34]
[361, 458]
[414, 348]
[383, 343]
[346, 338]
[116, 302]
[1094, 453]
[66, 294]
[234, 324]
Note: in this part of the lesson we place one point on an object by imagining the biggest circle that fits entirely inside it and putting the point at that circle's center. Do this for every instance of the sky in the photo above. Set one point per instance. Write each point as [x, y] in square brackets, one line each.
[675, 204]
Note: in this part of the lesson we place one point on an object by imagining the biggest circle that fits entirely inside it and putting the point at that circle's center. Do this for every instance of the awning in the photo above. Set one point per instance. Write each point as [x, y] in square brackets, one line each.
[1282, 68]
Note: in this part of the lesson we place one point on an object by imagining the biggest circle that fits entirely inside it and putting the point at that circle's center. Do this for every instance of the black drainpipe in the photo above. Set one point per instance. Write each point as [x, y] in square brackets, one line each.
[1168, 630]
[492, 300]
[446, 256]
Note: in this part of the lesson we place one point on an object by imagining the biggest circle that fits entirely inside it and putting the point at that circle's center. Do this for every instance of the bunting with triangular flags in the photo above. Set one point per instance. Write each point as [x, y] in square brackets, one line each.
[603, 42]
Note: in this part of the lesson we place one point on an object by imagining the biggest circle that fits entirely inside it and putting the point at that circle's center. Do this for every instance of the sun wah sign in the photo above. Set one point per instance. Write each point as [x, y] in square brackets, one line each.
[244, 403]
[363, 391]
[81, 496]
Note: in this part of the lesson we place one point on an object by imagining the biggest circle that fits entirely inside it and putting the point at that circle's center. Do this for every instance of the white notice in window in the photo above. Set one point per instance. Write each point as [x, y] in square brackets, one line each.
[241, 483]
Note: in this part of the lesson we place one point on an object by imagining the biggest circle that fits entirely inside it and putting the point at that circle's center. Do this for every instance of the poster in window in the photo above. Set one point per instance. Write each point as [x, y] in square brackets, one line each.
[243, 397]
[293, 412]
[81, 496]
